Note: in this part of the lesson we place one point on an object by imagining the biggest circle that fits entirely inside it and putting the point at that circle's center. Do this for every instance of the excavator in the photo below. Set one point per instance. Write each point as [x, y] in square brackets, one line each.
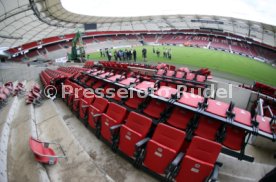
[77, 50]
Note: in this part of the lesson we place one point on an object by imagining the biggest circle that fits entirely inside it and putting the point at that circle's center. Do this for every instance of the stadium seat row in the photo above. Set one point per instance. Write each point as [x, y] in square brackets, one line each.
[154, 147]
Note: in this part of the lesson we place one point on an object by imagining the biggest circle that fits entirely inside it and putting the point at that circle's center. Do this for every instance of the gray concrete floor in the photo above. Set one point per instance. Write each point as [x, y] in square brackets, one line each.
[116, 167]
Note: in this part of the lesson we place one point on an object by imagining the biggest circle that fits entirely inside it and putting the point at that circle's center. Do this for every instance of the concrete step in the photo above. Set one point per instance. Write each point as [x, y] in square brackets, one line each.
[113, 165]
[234, 170]
[78, 166]
[21, 163]
[7, 115]
[6, 118]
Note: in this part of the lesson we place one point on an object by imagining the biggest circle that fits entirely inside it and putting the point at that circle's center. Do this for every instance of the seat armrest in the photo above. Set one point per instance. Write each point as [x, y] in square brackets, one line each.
[95, 115]
[178, 158]
[142, 143]
[171, 169]
[114, 129]
[214, 175]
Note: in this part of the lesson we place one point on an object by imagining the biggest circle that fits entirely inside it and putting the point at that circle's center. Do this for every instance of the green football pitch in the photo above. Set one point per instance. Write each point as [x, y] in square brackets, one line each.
[215, 60]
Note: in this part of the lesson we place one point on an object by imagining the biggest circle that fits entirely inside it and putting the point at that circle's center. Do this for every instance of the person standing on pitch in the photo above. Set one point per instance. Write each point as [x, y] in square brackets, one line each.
[101, 53]
[115, 55]
[158, 52]
[134, 55]
[144, 54]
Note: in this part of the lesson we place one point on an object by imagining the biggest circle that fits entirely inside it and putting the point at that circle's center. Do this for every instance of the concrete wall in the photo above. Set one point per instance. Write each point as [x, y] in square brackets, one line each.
[238, 95]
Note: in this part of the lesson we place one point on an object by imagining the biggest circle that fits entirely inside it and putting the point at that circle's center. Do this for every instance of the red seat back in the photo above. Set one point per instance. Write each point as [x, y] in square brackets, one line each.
[100, 103]
[155, 108]
[170, 73]
[136, 128]
[234, 138]
[163, 147]
[115, 115]
[134, 102]
[199, 160]
[179, 118]
[138, 123]
[190, 76]
[116, 112]
[97, 107]
[207, 127]
[179, 74]
[85, 101]
[40, 151]
[160, 72]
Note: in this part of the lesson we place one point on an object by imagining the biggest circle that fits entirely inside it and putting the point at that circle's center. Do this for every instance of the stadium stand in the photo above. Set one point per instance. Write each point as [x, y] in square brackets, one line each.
[162, 133]
[221, 43]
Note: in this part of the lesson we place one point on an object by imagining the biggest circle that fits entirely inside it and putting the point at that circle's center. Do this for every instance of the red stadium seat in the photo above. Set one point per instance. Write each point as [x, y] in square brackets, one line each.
[190, 99]
[115, 77]
[155, 108]
[89, 82]
[84, 105]
[145, 85]
[66, 86]
[115, 115]
[234, 138]
[218, 108]
[165, 92]
[161, 72]
[98, 84]
[134, 102]
[75, 92]
[76, 100]
[95, 110]
[106, 74]
[200, 78]
[98, 72]
[42, 152]
[136, 128]
[170, 73]
[163, 147]
[184, 69]
[264, 124]
[129, 81]
[179, 118]
[199, 161]
[242, 116]
[190, 76]
[179, 74]
[208, 127]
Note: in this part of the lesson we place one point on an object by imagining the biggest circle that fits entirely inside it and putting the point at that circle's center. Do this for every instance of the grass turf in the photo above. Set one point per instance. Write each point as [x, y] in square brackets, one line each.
[215, 60]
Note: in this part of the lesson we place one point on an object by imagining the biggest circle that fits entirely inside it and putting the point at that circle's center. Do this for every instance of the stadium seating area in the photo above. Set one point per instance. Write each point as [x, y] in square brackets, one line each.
[220, 43]
[217, 41]
[10, 89]
[149, 131]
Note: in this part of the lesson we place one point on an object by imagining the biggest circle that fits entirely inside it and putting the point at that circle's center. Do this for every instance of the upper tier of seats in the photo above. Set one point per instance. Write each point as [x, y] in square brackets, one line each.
[221, 42]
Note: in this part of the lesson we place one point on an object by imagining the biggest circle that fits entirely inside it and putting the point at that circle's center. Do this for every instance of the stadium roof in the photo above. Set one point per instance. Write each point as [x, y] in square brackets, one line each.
[23, 21]
[254, 10]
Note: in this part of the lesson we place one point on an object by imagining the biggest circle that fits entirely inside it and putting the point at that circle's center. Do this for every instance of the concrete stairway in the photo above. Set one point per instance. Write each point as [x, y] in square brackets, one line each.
[15, 129]
[21, 163]
[110, 163]
[6, 118]
[78, 166]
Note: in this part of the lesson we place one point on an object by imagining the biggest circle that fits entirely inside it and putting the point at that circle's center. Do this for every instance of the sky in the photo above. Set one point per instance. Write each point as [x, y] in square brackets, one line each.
[256, 10]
